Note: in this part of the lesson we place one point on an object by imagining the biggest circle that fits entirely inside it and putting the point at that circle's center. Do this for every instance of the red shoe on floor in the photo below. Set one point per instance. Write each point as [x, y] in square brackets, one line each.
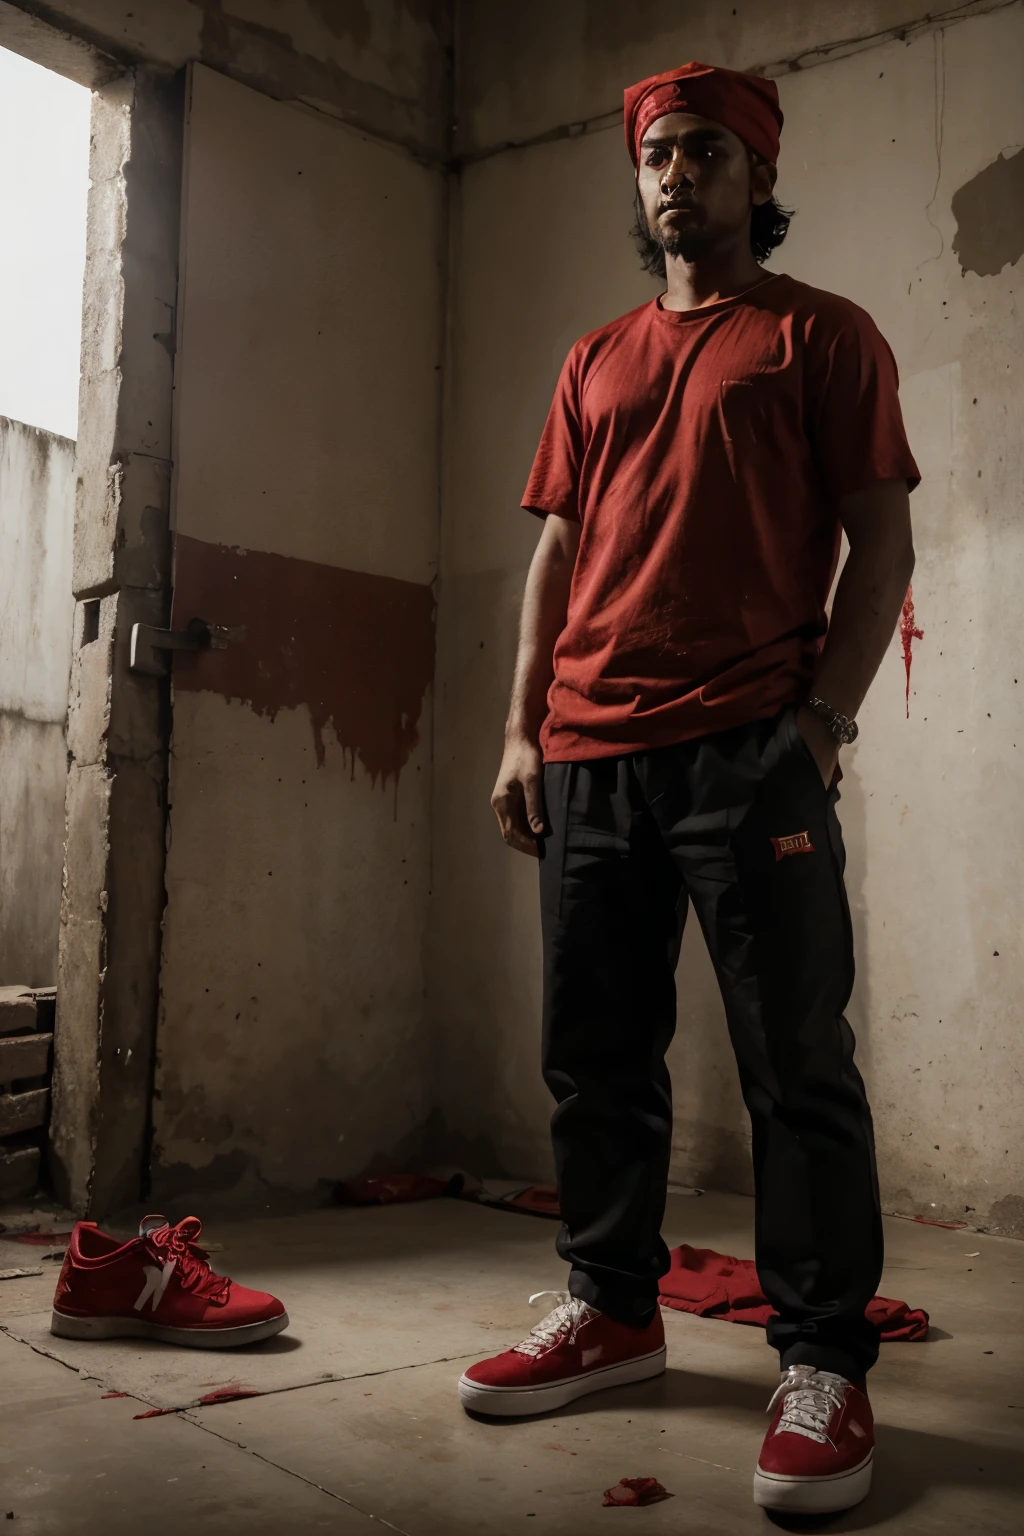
[575, 1350]
[158, 1285]
[817, 1455]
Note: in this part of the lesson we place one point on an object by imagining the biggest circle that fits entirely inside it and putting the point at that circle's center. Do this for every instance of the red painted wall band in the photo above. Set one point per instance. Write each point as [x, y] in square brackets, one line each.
[356, 649]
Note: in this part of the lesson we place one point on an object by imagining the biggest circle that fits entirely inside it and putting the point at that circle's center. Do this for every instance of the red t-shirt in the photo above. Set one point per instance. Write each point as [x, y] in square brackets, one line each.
[704, 451]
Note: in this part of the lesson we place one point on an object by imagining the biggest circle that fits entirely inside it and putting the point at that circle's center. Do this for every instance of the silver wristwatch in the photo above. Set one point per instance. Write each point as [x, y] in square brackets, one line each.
[842, 727]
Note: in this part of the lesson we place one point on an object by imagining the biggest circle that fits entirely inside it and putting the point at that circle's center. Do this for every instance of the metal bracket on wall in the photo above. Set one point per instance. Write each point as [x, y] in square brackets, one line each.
[151, 647]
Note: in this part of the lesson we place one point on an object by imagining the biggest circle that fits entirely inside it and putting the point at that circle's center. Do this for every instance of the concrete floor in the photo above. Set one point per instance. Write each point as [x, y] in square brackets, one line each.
[360, 1428]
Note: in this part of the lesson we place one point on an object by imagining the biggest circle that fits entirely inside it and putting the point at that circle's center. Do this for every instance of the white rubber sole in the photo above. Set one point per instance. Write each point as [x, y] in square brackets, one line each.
[814, 1495]
[67, 1327]
[519, 1402]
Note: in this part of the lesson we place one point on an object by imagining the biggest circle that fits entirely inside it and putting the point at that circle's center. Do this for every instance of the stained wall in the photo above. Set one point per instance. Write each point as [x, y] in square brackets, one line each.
[324, 1070]
[37, 498]
[905, 191]
[382, 65]
[292, 1046]
[905, 194]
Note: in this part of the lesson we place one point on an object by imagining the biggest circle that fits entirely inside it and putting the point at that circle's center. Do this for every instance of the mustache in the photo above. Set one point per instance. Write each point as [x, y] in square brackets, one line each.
[669, 204]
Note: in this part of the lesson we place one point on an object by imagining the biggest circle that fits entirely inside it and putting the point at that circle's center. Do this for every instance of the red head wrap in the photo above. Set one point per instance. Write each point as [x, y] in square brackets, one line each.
[747, 104]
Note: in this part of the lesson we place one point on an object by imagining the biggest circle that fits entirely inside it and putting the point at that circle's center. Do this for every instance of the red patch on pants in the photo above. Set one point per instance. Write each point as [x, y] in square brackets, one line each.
[797, 842]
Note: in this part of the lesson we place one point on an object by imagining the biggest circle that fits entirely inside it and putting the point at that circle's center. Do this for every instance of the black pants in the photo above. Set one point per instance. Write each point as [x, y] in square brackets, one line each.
[740, 824]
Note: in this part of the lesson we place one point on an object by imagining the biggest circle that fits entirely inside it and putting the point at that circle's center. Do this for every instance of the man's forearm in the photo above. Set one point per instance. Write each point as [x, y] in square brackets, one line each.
[865, 612]
[870, 593]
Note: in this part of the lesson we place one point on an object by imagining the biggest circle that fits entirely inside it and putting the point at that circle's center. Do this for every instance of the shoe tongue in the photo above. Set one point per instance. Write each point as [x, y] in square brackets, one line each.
[150, 1224]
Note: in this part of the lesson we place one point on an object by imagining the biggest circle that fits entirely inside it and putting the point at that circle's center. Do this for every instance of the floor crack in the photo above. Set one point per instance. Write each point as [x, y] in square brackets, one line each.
[110, 1379]
[188, 1415]
[48, 1354]
[290, 1471]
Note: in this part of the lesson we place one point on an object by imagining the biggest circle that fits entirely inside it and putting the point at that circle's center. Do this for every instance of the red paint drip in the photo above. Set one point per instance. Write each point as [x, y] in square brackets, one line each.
[908, 633]
[228, 1395]
[356, 649]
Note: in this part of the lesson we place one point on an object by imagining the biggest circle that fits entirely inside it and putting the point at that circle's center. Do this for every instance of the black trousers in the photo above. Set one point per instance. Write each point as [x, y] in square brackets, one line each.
[741, 825]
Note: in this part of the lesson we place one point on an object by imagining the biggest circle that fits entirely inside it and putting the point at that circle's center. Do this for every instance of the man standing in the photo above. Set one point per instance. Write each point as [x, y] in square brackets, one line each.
[679, 703]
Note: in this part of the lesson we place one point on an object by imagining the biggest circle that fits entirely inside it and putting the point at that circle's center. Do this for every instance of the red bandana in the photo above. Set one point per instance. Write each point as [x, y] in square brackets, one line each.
[746, 104]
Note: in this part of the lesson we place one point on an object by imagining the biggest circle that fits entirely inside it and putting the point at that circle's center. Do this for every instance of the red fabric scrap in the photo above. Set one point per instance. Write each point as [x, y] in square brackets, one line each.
[948, 1226]
[155, 1413]
[115, 1394]
[228, 1395]
[635, 1490]
[711, 1284]
[539, 1199]
[42, 1239]
[393, 1190]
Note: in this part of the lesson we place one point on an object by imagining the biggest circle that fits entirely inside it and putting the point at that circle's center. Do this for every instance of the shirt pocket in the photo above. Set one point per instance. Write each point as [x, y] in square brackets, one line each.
[744, 404]
[759, 421]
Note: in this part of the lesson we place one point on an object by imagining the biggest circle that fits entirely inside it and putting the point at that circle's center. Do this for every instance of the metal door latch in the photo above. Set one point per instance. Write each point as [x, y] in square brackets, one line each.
[151, 646]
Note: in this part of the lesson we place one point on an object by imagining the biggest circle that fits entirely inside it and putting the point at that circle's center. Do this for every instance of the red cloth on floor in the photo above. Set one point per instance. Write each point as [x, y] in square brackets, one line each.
[711, 1284]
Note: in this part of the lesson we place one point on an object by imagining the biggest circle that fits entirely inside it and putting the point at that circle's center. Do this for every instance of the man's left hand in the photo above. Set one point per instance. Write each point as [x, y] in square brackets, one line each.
[823, 745]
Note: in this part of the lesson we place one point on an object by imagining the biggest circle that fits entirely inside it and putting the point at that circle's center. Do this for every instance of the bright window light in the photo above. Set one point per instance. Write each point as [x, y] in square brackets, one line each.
[44, 180]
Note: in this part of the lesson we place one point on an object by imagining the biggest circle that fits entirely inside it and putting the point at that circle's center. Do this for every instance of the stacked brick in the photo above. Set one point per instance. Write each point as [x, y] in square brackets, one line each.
[26, 1053]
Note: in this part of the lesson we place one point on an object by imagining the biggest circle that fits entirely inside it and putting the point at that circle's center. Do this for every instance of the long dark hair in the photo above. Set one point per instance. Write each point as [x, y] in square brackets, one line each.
[769, 223]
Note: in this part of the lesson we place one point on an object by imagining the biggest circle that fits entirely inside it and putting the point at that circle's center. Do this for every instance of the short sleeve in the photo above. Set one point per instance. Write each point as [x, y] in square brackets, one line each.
[857, 424]
[554, 483]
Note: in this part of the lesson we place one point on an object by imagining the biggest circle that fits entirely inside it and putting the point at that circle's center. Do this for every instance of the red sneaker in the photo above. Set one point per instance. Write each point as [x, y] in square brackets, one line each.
[817, 1455]
[575, 1350]
[158, 1285]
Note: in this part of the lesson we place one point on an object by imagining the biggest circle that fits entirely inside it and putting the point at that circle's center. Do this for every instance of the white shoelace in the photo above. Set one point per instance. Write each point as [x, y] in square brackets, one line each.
[810, 1399]
[562, 1322]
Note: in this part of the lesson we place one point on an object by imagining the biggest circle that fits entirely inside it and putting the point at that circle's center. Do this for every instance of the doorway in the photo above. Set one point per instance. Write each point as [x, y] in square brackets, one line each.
[44, 181]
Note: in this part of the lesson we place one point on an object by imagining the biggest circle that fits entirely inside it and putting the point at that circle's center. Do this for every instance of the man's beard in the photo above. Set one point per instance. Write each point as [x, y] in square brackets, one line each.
[687, 244]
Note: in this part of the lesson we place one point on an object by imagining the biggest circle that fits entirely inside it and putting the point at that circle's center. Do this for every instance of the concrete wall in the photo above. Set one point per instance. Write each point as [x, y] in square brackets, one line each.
[292, 1045]
[333, 1035]
[37, 499]
[117, 722]
[381, 68]
[903, 187]
[382, 65]
[540, 70]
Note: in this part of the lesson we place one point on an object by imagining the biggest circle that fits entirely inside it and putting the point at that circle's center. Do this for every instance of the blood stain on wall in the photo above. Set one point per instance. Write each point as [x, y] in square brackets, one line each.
[356, 649]
[909, 632]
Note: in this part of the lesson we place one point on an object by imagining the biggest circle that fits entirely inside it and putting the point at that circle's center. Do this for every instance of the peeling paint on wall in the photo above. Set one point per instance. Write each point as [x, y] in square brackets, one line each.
[1006, 1217]
[356, 649]
[989, 213]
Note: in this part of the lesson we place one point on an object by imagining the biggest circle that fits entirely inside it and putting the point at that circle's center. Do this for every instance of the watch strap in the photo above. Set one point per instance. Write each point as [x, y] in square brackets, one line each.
[842, 727]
